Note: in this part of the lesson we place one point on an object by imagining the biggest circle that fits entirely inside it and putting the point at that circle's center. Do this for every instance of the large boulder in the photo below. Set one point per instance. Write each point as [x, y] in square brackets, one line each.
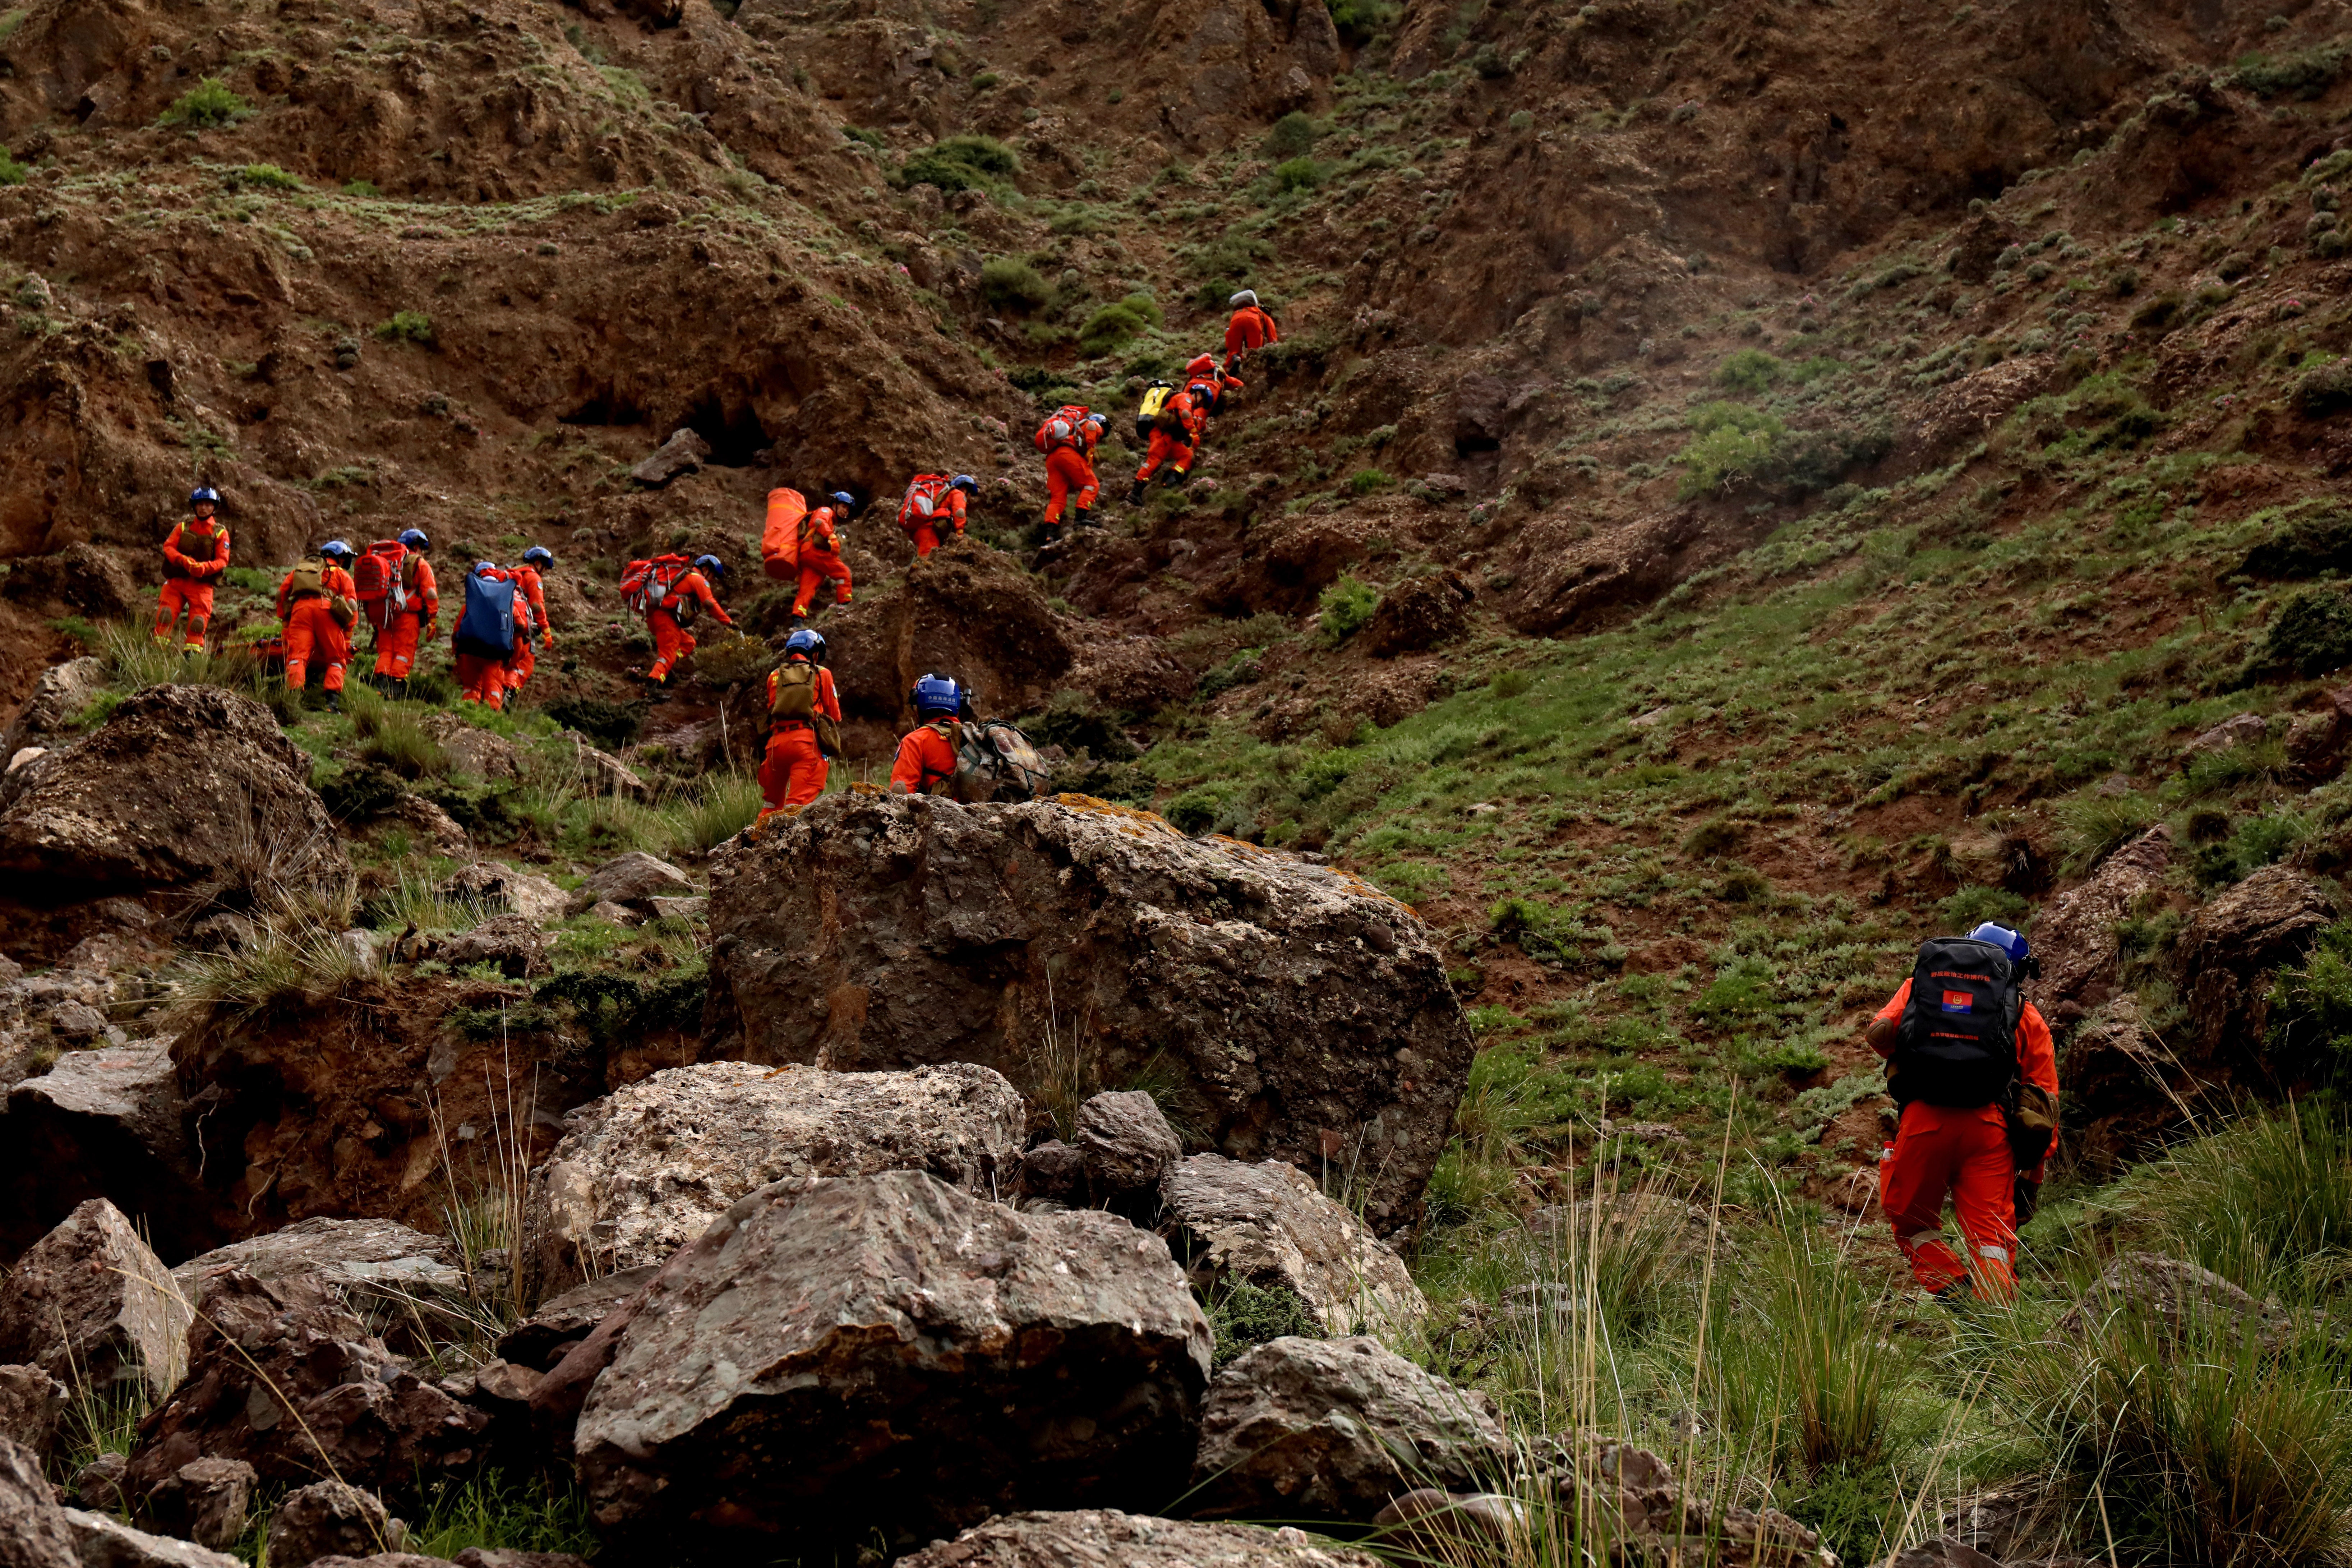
[330, 1519]
[1301, 1428]
[182, 786]
[2225, 956]
[32, 1403]
[1126, 1142]
[104, 1124]
[1303, 1013]
[34, 1532]
[366, 1261]
[91, 1303]
[1269, 1225]
[2075, 935]
[1102, 1538]
[843, 1353]
[965, 610]
[645, 1170]
[62, 691]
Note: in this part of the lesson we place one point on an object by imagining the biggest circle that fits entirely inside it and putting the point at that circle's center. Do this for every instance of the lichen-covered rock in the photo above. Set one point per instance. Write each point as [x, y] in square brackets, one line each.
[92, 1302]
[330, 1519]
[1101, 1537]
[1301, 1428]
[362, 1258]
[33, 1529]
[641, 1172]
[846, 1353]
[1305, 1015]
[540, 1340]
[1127, 1141]
[31, 1402]
[2075, 935]
[1267, 1224]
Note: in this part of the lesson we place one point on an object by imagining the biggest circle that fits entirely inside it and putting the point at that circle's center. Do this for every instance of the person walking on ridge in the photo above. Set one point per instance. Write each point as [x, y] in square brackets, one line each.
[674, 612]
[414, 622]
[820, 559]
[195, 553]
[318, 605]
[804, 717]
[930, 499]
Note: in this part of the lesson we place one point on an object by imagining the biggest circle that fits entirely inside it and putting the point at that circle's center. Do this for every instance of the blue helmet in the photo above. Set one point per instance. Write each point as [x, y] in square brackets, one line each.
[843, 500]
[965, 483]
[2001, 937]
[540, 555]
[414, 538]
[711, 563]
[482, 566]
[936, 694]
[807, 642]
[336, 547]
[204, 493]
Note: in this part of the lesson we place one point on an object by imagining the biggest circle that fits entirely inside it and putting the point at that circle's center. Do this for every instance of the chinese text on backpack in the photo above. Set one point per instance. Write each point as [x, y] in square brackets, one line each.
[1957, 1044]
[487, 628]
[1147, 414]
[383, 587]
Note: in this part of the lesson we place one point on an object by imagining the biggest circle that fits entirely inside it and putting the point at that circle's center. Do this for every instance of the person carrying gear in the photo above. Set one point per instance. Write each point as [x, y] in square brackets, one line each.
[1249, 329]
[1172, 438]
[414, 622]
[803, 716]
[318, 603]
[926, 763]
[1971, 1064]
[537, 559]
[195, 556]
[821, 553]
[1206, 385]
[1067, 438]
[496, 620]
[671, 614]
[930, 497]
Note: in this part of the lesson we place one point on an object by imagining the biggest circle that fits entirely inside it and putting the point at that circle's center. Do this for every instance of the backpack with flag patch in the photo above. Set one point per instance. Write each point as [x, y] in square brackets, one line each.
[1957, 1044]
[1148, 411]
[995, 762]
[646, 583]
[486, 627]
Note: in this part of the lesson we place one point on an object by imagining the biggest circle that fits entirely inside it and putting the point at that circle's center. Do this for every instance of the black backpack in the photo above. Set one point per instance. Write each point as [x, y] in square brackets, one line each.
[1957, 1044]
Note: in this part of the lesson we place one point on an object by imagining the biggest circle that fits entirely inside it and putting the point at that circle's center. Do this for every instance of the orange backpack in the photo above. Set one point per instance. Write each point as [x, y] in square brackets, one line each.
[779, 541]
[646, 583]
[1062, 427]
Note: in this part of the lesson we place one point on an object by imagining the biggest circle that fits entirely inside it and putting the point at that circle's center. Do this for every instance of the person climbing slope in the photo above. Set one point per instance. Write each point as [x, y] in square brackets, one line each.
[537, 559]
[930, 499]
[1971, 1065]
[1207, 385]
[1249, 329]
[1171, 445]
[803, 716]
[195, 553]
[673, 611]
[411, 615]
[926, 763]
[1067, 438]
[318, 603]
[495, 620]
[821, 553]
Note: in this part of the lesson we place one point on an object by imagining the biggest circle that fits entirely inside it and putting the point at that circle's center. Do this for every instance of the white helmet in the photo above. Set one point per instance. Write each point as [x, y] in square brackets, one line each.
[1246, 296]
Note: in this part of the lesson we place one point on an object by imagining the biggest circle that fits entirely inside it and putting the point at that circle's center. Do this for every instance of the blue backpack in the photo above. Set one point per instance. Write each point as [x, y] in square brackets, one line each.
[487, 628]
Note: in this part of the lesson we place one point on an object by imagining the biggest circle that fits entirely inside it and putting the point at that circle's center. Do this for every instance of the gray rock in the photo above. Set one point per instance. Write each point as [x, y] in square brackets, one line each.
[91, 1301]
[1443, 1526]
[105, 1123]
[566, 1320]
[99, 1484]
[693, 909]
[33, 1529]
[611, 913]
[1303, 1428]
[602, 774]
[31, 1403]
[641, 1172]
[101, 1540]
[361, 946]
[481, 754]
[507, 1557]
[1302, 1013]
[1056, 1172]
[513, 944]
[634, 880]
[1270, 1226]
[62, 691]
[384, 1560]
[2075, 934]
[2243, 729]
[75, 1021]
[495, 884]
[207, 1502]
[1101, 1537]
[888, 1350]
[1128, 1143]
[330, 1519]
[685, 452]
[432, 829]
[2175, 1293]
[364, 1260]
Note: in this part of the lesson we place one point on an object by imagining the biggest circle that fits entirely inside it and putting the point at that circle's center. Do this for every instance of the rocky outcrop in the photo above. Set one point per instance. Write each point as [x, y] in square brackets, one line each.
[33, 1529]
[364, 1260]
[2268, 919]
[285, 1378]
[62, 691]
[330, 1519]
[1420, 613]
[1337, 1429]
[634, 880]
[2171, 1294]
[31, 1403]
[964, 609]
[642, 1172]
[104, 1124]
[1267, 1224]
[1100, 1538]
[847, 1351]
[1304, 1015]
[183, 785]
[1127, 1145]
[91, 1303]
[2075, 934]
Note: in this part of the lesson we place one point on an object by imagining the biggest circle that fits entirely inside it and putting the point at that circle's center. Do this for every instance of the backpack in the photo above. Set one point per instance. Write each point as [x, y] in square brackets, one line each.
[995, 762]
[780, 539]
[1148, 411]
[1061, 428]
[1957, 1044]
[308, 580]
[486, 629]
[200, 547]
[646, 583]
[796, 702]
[381, 576]
[922, 499]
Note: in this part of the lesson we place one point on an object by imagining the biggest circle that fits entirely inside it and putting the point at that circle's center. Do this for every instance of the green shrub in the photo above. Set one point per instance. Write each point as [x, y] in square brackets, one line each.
[12, 172]
[492, 1511]
[267, 177]
[1732, 445]
[1243, 1316]
[2311, 1007]
[406, 326]
[1298, 174]
[1364, 481]
[206, 106]
[2325, 389]
[1715, 836]
[1973, 906]
[1348, 606]
[1749, 371]
[1293, 136]
[2310, 537]
[1111, 327]
[2312, 633]
[726, 805]
[2306, 74]
[1009, 283]
[397, 741]
[1360, 21]
[2092, 825]
[961, 163]
[365, 189]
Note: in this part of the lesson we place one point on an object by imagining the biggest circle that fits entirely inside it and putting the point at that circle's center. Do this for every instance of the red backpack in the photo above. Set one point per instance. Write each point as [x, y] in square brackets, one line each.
[646, 583]
[1061, 428]
[382, 581]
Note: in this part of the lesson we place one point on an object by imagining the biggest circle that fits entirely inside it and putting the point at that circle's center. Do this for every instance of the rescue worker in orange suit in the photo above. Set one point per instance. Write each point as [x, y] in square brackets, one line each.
[195, 556]
[1069, 448]
[1964, 1150]
[1171, 448]
[1206, 385]
[405, 630]
[821, 554]
[1249, 329]
[930, 499]
[800, 692]
[319, 604]
[482, 677]
[926, 763]
[537, 559]
[668, 619]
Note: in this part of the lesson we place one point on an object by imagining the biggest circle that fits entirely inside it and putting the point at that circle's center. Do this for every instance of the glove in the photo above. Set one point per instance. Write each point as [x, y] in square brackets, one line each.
[547, 642]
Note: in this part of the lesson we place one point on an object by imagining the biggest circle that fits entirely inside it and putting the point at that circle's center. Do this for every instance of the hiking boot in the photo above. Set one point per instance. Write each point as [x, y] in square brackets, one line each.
[1083, 517]
[335, 701]
[1135, 496]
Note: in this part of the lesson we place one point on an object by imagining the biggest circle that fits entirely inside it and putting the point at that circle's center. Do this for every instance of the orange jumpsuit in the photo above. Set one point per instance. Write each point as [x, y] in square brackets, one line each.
[481, 678]
[311, 627]
[1208, 391]
[668, 619]
[926, 763]
[793, 771]
[821, 560]
[195, 556]
[945, 500]
[1166, 448]
[520, 667]
[1249, 329]
[404, 630]
[1962, 1151]
[1070, 475]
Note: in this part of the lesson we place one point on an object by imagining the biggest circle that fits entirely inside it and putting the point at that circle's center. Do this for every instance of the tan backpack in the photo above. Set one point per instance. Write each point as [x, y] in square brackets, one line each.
[310, 579]
[796, 702]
